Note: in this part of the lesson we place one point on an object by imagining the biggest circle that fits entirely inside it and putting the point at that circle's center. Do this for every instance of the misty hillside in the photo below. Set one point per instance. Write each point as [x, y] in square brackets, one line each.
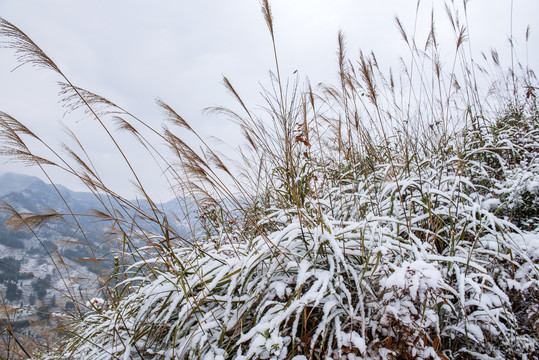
[28, 194]
[35, 263]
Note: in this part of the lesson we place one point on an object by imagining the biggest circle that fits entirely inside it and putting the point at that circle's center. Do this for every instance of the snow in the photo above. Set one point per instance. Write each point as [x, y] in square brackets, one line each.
[419, 277]
[353, 340]
[490, 204]
[280, 289]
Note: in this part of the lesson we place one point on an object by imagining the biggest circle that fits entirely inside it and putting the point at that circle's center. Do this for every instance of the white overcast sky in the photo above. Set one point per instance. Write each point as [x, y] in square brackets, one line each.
[134, 51]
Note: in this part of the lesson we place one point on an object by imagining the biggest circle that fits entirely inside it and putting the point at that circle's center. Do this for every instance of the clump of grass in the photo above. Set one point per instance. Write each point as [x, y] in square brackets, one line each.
[384, 218]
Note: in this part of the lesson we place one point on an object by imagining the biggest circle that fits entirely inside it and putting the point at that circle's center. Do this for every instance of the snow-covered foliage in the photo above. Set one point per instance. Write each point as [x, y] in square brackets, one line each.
[435, 258]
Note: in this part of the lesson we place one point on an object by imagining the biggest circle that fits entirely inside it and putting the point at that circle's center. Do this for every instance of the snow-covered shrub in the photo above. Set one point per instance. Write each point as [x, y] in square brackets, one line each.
[412, 266]
[508, 156]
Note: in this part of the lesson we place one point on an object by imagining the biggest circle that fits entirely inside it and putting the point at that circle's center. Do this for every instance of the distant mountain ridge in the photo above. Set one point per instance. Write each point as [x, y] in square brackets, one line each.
[11, 182]
[15, 187]
[30, 194]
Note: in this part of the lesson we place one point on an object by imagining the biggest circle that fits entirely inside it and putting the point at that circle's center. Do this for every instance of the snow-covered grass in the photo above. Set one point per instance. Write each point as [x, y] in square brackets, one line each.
[421, 265]
[382, 218]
